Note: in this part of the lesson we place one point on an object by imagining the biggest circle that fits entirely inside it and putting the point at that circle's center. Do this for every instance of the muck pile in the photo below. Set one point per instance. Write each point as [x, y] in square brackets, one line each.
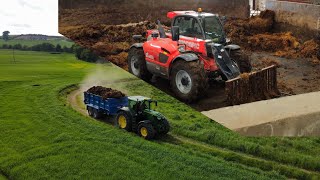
[106, 93]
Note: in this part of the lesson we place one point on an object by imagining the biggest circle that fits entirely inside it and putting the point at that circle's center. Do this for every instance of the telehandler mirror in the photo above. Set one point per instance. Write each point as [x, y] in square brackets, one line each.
[175, 31]
[137, 37]
[223, 20]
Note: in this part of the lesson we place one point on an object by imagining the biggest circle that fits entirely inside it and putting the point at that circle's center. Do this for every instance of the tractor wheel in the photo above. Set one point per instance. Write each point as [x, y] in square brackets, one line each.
[166, 127]
[188, 80]
[137, 64]
[124, 121]
[90, 111]
[146, 131]
[243, 60]
[96, 114]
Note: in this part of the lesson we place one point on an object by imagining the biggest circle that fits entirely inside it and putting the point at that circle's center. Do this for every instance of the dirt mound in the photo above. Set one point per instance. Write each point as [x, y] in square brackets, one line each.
[238, 29]
[109, 41]
[106, 93]
[273, 42]
[310, 49]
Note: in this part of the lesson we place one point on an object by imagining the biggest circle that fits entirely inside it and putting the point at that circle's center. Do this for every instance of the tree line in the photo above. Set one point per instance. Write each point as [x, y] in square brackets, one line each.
[80, 52]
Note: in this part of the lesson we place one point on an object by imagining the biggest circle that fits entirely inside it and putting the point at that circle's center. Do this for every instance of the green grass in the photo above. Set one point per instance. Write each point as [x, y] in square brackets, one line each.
[294, 152]
[42, 137]
[30, 43]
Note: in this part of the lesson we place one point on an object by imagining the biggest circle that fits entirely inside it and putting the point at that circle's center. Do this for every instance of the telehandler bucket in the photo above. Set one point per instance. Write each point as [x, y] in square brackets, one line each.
[255, 86]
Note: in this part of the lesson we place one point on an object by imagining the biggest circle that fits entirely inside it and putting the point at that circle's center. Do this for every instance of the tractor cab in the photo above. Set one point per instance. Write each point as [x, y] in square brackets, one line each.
[199, 25]
[140, 104]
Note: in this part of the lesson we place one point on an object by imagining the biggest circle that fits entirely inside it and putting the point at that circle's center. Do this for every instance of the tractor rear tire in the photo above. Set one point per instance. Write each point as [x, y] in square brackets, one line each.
[137, 64]
[124, 121]
[243, 60]
[188, 80]
[146, 131]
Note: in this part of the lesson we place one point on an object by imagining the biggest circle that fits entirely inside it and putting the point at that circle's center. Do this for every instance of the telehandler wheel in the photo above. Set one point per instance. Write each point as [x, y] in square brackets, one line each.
[188, 80]
[137, 64]
[242, 59]
[124, 121]
[146, 131]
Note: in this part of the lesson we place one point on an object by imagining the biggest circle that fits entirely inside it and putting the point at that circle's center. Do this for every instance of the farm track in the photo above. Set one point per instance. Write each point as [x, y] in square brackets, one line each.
[210, 150]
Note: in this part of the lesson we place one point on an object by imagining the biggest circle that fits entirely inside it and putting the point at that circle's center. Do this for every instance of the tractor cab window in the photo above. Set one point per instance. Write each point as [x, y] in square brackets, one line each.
[189, 27]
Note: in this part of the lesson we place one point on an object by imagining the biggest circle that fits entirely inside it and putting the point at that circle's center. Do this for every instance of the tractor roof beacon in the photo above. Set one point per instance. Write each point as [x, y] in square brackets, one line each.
[192, 52]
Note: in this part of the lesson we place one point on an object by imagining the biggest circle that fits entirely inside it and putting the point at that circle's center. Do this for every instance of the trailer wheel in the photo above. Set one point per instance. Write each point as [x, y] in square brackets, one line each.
[146, 131]
[90, 113]
[96, 114]
[137, 64]
[124, 121]
[188, 80]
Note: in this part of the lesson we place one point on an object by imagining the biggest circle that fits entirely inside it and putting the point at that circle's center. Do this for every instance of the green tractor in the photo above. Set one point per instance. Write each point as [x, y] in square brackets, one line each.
[140, 118]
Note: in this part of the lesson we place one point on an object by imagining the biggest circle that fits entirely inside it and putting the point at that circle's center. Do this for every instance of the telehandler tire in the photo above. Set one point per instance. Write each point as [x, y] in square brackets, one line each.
[137, 64]
[146, 131]
[124, 121]
[188, 80]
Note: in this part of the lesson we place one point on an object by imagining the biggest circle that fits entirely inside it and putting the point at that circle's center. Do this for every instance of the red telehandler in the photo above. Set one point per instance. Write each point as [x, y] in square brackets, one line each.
[191, 53]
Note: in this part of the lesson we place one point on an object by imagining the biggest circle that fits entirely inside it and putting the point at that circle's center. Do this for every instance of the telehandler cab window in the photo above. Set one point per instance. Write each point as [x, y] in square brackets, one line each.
[212, 28]
[189, 27]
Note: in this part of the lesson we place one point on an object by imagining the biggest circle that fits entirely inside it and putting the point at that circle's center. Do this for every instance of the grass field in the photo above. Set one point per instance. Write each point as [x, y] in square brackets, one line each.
[43, 137]
[30, 43]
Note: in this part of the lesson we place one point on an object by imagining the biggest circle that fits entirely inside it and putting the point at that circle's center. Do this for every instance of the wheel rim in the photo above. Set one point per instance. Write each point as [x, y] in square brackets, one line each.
[135, 66]
[183, 82]
[89, 112]
[122, 122]
[144, 132]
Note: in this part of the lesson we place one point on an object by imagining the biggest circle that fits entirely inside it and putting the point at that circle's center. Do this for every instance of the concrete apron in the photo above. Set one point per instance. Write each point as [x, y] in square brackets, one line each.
[288, 116]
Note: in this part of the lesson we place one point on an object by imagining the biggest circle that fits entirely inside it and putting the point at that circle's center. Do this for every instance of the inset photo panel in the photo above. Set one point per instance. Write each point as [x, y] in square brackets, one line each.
[248, 65]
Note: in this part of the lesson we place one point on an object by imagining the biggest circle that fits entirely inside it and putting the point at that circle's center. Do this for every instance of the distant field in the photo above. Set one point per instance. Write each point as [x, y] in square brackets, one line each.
[43, 137]
[35, 42]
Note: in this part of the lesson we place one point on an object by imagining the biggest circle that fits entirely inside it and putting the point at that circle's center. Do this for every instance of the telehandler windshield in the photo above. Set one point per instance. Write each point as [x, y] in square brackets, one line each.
[213, 29]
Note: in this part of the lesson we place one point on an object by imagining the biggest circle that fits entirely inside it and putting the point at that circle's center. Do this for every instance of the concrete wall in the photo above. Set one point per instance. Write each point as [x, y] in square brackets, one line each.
[297, 14]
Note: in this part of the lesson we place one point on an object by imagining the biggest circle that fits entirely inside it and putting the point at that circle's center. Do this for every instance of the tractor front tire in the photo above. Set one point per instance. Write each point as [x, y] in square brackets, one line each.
[146, 131]
[188, 80]
[137, 64]
[243, 60]
[124, 121]
[166, 127]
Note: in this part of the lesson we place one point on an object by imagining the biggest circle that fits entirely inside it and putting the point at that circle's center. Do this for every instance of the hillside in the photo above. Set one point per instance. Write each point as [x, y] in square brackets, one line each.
[31, 40]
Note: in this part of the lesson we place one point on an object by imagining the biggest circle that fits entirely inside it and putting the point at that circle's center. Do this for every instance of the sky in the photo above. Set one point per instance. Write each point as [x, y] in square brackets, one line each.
[29, 17]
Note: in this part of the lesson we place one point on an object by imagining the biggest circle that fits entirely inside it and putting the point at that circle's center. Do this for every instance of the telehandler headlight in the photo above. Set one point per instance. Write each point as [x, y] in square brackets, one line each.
[182, 48]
